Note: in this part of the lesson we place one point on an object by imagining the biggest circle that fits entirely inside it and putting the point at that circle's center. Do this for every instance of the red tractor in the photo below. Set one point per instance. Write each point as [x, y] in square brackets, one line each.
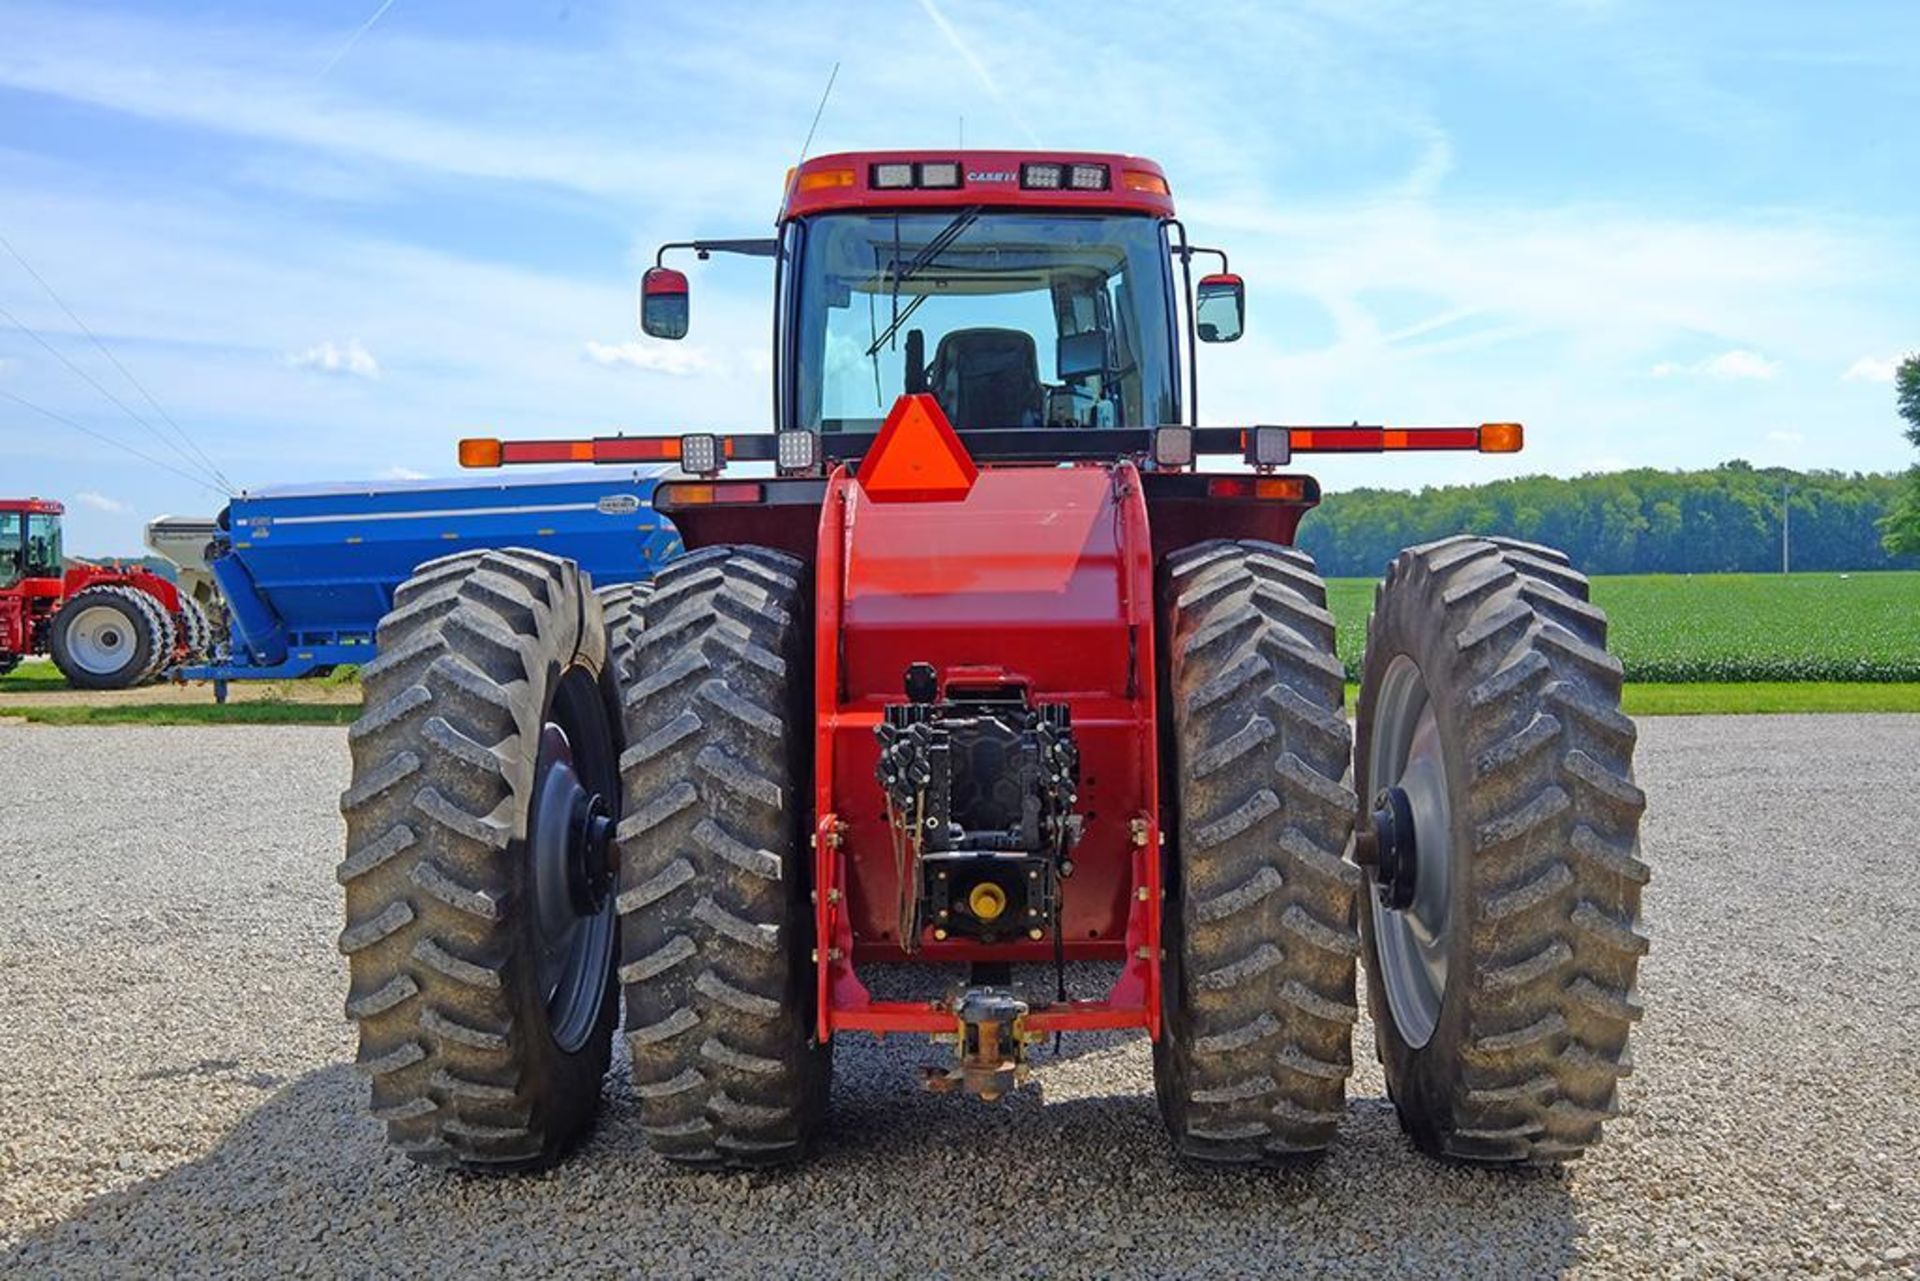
[979, 709]
[106, 626]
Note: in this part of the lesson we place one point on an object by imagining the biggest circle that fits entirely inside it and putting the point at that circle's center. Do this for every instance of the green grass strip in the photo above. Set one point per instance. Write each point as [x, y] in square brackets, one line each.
[190, 714]
[1749, 698]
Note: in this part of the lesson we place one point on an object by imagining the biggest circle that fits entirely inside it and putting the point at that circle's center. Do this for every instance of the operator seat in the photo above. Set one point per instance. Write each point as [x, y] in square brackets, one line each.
[987, 378]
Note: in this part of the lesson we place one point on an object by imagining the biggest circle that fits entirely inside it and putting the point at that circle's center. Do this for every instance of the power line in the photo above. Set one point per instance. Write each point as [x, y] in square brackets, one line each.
[212, 467]
[97, 385]
[22, 401]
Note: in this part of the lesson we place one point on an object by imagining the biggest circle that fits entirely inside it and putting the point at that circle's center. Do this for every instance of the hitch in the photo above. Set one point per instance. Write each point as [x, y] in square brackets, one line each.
[991, 1050]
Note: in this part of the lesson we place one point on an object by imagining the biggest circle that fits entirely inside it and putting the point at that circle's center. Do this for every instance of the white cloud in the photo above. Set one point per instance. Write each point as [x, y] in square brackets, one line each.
[1784, 438]
[681, 362]
[99, 502]
[1868, 369]
[401, 473]
[349, 358]
[1728, 364]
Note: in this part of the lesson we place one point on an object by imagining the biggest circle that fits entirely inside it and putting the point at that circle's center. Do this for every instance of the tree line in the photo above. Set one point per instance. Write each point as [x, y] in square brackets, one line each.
[1723, 520]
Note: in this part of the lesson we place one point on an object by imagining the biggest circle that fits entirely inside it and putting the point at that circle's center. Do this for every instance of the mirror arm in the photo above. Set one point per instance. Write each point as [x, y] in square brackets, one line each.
[1221, 254]
[705, 249]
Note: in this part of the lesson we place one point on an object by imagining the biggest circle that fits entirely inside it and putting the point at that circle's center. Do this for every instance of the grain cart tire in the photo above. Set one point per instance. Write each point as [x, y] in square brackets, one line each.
[1258, 928]
[109, 638]
[198, 628]
[716, 927]
[480, 930]
[1490, 728]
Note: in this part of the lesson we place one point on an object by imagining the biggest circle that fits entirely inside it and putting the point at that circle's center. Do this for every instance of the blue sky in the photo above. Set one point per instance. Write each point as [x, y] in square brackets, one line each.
[1660, 234]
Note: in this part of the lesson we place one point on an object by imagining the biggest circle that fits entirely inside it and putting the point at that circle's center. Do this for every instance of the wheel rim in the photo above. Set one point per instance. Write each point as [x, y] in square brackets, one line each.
[570, 865]
[100, 640]
[1412, 943]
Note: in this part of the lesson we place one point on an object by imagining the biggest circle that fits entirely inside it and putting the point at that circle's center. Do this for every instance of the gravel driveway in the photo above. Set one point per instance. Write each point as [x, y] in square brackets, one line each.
[174, 1095]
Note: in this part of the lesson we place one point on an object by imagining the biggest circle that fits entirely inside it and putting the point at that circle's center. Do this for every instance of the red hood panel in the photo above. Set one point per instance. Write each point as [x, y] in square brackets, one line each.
[1025, 573]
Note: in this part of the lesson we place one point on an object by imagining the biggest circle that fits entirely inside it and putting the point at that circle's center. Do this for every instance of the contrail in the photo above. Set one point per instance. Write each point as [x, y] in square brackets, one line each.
[354, 39]
[965, 50]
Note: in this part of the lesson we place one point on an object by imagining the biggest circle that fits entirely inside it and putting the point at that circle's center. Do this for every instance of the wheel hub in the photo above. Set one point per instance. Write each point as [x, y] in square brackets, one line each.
[571, 871]
[1389, 845]
[98, 640]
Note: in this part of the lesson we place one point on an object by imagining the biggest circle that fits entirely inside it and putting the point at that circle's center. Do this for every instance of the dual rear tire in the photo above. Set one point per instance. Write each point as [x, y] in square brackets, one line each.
[486, 936]
[111, 638]
[1503, 992]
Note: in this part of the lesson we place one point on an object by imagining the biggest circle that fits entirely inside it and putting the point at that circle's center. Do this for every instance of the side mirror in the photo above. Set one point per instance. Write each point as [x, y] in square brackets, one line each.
[1220, 312]
[663, 303]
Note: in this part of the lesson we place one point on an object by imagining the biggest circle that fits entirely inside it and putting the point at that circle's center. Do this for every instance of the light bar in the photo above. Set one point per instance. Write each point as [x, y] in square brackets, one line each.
[1262, 445]
[1173, 447]
[1041, 177]
[700, 454]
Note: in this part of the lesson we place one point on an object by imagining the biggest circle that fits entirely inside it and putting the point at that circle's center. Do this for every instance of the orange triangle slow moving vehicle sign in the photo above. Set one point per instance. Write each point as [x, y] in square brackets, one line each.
[917, 457]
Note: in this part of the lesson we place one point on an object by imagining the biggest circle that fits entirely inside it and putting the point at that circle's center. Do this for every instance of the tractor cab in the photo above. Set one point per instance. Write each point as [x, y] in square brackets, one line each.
[29, 541]
[1019, 290]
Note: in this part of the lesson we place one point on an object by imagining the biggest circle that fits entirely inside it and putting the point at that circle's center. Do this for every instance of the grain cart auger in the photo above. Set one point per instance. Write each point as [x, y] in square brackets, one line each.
[971, 673]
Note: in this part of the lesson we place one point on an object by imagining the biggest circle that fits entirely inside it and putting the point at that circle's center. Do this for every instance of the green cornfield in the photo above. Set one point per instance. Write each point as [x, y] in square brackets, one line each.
[1731, 627]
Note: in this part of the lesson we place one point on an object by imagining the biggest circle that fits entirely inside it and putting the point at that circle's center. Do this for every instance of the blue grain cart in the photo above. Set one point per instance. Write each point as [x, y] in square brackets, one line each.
[307, 571]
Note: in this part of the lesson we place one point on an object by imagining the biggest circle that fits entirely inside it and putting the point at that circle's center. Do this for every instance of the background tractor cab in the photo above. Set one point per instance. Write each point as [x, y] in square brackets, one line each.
[31, 565]
[1020, 291]
[105, 626]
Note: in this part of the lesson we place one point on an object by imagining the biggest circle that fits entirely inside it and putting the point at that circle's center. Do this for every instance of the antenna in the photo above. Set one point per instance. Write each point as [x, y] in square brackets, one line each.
[817, 111]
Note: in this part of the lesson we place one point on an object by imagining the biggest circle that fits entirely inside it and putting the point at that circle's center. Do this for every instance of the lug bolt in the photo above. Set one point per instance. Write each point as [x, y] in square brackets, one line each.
[1036, 933]
[940, 935]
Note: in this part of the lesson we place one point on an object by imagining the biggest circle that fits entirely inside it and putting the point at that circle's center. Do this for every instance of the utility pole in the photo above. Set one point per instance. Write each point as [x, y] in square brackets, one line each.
[1786, 520]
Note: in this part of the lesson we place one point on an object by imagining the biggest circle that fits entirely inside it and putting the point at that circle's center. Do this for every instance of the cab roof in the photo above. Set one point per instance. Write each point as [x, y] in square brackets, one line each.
[1000, 179]
[33, 506]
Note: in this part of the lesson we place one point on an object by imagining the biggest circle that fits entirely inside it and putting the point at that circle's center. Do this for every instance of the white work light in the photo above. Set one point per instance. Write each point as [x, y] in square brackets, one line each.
[797, 453]
[700, 454]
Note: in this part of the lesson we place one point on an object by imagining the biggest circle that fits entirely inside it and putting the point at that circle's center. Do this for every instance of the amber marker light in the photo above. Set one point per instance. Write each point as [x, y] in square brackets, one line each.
[825, 179]
[478, 452]
[1501, 438]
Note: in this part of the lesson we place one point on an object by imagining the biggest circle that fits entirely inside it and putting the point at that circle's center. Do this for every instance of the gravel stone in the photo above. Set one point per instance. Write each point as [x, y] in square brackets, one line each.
[176, 1097]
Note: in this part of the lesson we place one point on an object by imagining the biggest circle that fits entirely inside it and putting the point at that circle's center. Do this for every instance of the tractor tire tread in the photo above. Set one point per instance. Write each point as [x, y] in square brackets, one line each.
[1260, 931]
[715, 921]
[1554, 868]
[443, 771]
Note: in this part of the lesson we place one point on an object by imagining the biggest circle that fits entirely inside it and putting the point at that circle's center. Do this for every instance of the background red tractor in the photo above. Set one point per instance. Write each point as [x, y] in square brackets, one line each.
[978, 710]
[106, 626]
